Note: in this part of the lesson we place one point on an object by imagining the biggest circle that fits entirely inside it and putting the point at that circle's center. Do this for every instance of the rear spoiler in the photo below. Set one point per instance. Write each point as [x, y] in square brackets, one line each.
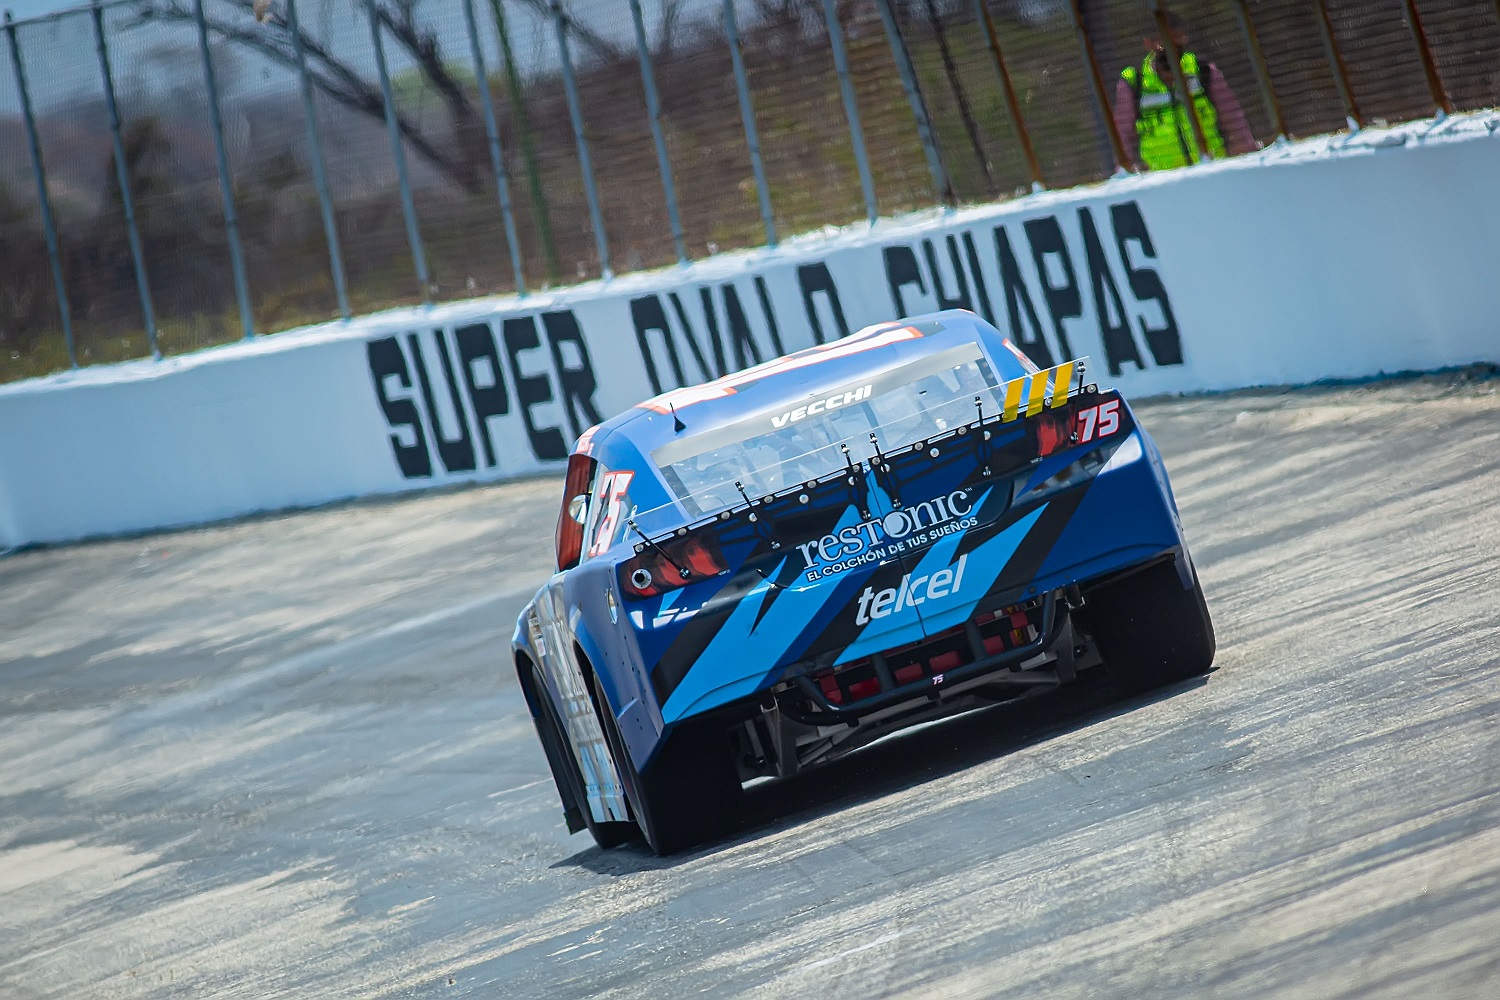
[1026, 396]
[1049, 388]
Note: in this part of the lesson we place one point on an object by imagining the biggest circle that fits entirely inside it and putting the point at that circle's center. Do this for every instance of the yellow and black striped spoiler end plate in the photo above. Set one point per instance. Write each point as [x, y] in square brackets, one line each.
[1049, 388]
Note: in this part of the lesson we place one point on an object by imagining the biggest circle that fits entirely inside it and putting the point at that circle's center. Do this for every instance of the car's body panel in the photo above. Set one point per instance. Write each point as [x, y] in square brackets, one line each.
[895, 550]
[544, 638]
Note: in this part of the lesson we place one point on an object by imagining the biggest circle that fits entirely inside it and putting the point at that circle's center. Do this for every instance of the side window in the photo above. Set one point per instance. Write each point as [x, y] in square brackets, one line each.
[608, 509]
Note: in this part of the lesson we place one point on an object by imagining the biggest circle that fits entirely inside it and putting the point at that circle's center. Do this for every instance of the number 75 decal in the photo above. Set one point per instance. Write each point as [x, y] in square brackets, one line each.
[611, 497]
[1098, 421]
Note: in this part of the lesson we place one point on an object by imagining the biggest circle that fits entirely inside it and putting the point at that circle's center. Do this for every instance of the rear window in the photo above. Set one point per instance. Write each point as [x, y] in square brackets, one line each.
[773, 451]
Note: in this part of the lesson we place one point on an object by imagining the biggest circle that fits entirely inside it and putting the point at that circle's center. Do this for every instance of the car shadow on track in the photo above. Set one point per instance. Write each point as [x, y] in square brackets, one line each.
[898, 762]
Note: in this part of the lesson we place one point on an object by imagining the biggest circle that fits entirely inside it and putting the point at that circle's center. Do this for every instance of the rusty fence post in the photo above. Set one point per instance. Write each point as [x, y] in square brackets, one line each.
[1340, 68]
[1262, 71]
[1429, 64]
[1012, 102]
[1096, 78]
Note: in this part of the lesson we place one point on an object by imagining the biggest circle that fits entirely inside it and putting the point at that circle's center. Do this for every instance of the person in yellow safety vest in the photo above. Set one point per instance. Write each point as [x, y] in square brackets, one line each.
[1154, 124]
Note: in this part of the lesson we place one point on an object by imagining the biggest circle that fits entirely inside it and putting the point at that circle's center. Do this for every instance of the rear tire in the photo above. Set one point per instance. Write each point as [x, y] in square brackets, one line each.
[1150, 630]
[689, 793]
[560, 750]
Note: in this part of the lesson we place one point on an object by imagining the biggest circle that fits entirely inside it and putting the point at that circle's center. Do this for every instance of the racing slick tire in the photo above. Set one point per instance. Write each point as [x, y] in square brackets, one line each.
[555, 744]
[1150, 630]
[689, 793]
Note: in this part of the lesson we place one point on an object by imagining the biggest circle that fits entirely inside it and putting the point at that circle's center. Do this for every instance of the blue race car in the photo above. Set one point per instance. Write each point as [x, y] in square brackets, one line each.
[768, 571]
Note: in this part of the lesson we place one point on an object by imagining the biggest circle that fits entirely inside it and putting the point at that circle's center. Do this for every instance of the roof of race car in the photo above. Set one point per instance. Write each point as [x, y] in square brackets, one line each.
[792, 379]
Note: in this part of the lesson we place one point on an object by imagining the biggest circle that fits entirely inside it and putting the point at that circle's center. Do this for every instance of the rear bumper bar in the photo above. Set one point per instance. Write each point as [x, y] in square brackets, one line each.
[1054, 618]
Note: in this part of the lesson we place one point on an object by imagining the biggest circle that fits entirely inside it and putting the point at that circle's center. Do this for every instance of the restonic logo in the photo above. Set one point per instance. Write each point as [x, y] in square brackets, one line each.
[912, 591]
[857, 539]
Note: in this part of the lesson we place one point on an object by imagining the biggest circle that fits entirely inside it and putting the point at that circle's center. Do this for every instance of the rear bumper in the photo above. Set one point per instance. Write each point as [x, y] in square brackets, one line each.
[1123, 519]
[1053, 619]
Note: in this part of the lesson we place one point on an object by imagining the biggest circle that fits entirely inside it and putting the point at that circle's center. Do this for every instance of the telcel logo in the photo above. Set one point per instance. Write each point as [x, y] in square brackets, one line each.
[911, 592]
[831, 403]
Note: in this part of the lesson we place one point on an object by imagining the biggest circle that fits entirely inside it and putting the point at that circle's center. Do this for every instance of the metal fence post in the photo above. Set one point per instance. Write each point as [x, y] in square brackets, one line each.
[1180, 83]
[38, 171]
[1429, 64]
[575, 113]
[1101, 96]
[522, 120]
[319, 167]
[497, 157]
[122, 176]
[226, 184]
[1262, 72]
[1008, 88]
[747, 115]
[398, 152]
[653, 109]
[851, 109]
[956, 83]
[942, 189]
[1340, 70]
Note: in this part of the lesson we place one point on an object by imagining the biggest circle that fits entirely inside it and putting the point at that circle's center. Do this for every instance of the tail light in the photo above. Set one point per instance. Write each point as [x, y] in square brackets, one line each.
[569, 535]
[676, 563]
[850, 682]
[925, 663]
[1053, 431]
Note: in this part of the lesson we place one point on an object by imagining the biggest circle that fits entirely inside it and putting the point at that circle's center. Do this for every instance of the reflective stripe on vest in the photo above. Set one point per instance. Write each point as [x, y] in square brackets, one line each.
[1165, 131]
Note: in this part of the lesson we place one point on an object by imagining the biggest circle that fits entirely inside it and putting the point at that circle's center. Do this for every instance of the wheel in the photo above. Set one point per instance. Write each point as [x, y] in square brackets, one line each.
[1149, 629]
[560, 753]
[689, 793]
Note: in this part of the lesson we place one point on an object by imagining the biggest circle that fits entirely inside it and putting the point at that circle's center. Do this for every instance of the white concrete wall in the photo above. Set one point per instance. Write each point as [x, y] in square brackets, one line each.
[1333, 258]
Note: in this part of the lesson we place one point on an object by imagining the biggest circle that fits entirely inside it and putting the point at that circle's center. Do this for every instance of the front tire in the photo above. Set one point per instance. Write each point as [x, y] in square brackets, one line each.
[689, 793]
[1151, 631]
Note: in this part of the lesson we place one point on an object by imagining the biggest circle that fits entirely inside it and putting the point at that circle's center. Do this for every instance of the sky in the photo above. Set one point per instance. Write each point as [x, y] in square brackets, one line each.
[59, 55]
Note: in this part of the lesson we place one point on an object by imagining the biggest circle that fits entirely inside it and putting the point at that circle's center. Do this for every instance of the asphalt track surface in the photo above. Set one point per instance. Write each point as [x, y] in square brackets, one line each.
[288, 757]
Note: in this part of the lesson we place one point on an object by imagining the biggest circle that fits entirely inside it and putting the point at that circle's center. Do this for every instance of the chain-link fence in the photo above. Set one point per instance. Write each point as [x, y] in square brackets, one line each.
[176, 173]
